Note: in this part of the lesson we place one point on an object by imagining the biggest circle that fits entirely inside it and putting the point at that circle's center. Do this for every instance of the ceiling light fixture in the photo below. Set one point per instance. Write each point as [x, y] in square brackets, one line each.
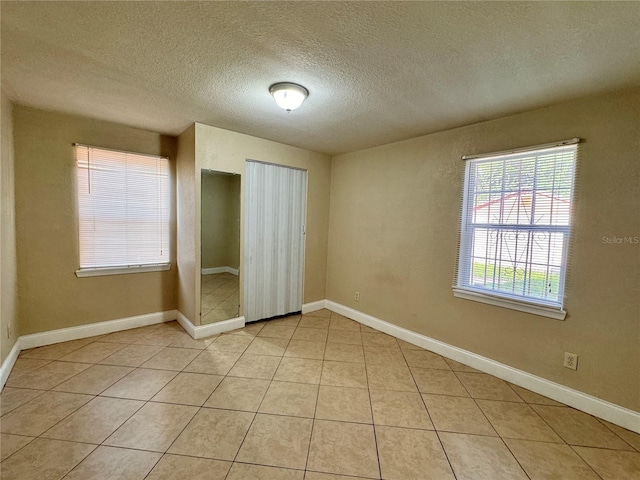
[288, 96]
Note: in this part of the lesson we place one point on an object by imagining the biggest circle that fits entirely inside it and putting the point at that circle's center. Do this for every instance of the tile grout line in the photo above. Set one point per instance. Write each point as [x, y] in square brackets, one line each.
[159, 390]
[199, 408]
[40, 436]
[492, 425]
[80, 462]
[615, 433]
[255, 414]
[145, 402]
[535, 413]
[315, 409]
[373, 420]
[32, 439]
[71, 413]
[543, 420]
[446, 455]
[584, 460]
[194, 415]
[478, 406]
[563, 439]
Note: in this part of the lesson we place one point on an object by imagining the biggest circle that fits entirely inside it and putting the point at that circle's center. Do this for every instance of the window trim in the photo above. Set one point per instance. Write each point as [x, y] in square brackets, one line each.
[118, 150]
[119, 269]
[102, 271]
[477, 295]
[503, 299]
[561, 143]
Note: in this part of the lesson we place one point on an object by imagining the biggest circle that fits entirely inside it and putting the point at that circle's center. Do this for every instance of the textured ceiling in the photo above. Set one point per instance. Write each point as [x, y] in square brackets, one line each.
[377, 72]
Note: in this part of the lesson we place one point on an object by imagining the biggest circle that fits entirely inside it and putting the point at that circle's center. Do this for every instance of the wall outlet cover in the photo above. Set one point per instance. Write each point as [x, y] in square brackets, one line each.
[570, 361]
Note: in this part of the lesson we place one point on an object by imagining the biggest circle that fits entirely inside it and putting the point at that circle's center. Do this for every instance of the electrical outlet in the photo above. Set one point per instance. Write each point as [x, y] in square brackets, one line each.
[570, 361]
[357, 296]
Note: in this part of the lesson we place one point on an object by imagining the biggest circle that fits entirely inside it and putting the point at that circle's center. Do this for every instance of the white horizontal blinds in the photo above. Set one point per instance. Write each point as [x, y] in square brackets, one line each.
[516, 223]
[124, 208]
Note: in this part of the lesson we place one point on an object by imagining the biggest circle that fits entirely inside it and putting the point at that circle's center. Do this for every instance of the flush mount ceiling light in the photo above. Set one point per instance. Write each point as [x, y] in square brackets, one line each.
[288, 96]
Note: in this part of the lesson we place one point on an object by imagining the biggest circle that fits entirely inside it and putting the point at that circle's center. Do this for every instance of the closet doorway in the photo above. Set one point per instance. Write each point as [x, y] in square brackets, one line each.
[220, 246]
[275, 213]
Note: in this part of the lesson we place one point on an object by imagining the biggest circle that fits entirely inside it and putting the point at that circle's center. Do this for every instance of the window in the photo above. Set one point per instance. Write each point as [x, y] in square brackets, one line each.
[124, 210]
[516, 220]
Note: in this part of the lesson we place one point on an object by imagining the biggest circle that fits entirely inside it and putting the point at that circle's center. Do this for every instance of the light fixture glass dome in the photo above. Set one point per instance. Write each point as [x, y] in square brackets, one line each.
[288, 96]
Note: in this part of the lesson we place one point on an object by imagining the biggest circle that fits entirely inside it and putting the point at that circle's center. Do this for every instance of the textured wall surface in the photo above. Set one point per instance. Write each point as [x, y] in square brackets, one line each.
[8, 263]
[188, 266]
[51, 296]
[395, 213]
[220, 220]
[226, 151]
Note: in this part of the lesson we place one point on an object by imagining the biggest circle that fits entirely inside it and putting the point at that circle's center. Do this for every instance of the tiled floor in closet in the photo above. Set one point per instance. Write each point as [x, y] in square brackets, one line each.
[220, 297]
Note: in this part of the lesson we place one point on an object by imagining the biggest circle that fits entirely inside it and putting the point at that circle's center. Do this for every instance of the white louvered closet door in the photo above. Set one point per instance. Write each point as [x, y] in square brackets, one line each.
[275, 214]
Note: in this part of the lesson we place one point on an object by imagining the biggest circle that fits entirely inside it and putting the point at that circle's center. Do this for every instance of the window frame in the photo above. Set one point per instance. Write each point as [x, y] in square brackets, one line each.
[529, 304]
[95, 271]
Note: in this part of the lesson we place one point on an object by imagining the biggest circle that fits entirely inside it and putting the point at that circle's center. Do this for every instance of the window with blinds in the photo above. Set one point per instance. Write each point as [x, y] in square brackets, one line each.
[516, 221]
[124, 211]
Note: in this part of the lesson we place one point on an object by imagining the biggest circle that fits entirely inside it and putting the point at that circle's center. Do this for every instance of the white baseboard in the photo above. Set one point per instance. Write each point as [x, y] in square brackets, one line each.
[611, 412]
[210, 271]
[313, 306]
[42, 339]
[92, 329]
[9, 362]
[203, 331]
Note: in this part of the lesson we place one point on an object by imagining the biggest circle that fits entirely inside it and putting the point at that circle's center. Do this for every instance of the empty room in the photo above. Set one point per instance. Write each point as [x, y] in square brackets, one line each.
[320, 240]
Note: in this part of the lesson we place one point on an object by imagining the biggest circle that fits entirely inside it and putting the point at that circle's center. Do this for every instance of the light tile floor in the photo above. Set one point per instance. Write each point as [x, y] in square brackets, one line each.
[219, 297]
[317, 397]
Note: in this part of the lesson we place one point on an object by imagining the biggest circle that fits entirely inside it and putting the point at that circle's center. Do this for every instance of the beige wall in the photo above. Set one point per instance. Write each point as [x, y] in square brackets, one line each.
[220, 220]
[233, 226]
[227, 151]
[51, 296]
[188, 269]
[391, 235]
[8, 269]
[395, 214]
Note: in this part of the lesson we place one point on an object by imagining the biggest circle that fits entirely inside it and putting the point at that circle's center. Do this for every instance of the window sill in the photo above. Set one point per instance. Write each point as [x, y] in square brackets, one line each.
[535, 309]
[101, 271]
